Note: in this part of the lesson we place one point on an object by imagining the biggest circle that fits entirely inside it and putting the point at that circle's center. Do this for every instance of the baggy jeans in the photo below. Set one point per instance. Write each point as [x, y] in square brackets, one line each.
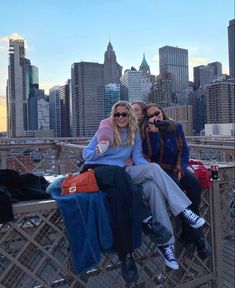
[159, 189]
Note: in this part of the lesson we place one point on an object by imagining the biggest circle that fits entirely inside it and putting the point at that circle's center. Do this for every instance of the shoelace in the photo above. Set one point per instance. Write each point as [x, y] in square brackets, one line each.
[169, 252]
[190, 215]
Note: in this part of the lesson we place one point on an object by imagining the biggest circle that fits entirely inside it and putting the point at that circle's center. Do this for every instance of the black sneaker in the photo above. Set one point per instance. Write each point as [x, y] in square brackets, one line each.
[203, 248]
[167, 251]
[189, 246]
[192, 219]
[159, 233]
[129, 269]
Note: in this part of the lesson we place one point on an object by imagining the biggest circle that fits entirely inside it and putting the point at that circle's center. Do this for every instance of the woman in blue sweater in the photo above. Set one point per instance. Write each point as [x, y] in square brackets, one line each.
[167, 146]
[109, 165]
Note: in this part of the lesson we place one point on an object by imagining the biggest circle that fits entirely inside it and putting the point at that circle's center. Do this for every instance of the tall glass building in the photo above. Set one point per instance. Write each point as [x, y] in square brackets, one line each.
[174, 60]
[131, 85]
[87, 87]
[16, 89]
[112, 95]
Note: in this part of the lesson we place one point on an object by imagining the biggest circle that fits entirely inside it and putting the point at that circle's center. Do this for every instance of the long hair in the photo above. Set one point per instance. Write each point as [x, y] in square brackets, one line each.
[132, 126]
[143, 106]
[172, 126]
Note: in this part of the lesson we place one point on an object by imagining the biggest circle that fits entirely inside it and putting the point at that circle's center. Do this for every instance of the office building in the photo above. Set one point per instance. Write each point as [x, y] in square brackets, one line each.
[131, 85]
[217, 66]
[174, 60]
[17, 107]
[43, 114]
[161, 91]
[182, 114]
[65, 106]
[112, 95]
[55, 110]
[112, 70]
[35, 95]
[199, 110]
[220, 102]
[22, 91]
[205, 74]
[231, 47]
[87, 86]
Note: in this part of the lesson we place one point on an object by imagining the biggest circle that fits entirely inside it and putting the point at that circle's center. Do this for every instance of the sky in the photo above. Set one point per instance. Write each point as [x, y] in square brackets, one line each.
[58, 33]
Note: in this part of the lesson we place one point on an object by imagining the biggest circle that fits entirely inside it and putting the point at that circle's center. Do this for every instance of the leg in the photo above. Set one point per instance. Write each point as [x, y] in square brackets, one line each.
[176, 199]
[193, 237]
[192, 186]
[158, 206]
[118, 187]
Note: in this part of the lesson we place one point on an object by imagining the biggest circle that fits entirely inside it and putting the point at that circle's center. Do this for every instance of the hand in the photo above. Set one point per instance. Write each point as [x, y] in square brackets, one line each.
[102, 146]
[129, 162]
[179, 175]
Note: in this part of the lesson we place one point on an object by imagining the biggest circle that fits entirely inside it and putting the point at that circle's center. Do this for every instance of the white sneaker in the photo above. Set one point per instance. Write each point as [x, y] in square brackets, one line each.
[167, 251]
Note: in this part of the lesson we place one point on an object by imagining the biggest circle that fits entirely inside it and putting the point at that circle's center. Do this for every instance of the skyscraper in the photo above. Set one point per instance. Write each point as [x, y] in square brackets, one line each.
[146, 83]
[217, 66]
[55, 110]
[16, 89]
[131, 85]
[199, 110]
[175, 61]
[231, 47]
[206, 74]
[112, 95]
[161, 91]
[220, 102]
[112, 70]
[87, 86]
[65, 105]
[202, 75]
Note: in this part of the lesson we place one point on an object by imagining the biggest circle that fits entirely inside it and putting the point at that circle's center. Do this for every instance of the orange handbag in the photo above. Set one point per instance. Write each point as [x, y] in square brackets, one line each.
[84, 182]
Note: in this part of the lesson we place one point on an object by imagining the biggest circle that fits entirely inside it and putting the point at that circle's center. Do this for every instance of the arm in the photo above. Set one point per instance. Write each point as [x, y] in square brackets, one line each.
[137, 154]
[185, 149]
[105, 135]
[90, 152]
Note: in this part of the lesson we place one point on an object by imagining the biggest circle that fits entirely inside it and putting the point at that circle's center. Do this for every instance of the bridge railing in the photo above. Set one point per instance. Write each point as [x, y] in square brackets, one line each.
[34, 251]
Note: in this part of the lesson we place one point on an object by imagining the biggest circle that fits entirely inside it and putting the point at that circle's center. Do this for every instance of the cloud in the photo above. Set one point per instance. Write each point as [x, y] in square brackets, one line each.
[155, 58]
[197, 61]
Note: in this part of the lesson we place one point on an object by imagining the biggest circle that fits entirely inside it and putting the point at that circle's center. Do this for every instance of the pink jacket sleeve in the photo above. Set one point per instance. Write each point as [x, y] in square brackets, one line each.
[105, 131]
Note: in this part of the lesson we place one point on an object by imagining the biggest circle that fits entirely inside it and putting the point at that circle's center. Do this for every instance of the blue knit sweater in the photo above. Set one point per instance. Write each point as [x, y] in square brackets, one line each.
[164, 148]
[115, 156]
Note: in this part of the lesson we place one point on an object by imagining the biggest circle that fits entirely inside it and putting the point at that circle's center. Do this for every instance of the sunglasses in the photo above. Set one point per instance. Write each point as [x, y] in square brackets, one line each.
[154, 114]
[123, 114]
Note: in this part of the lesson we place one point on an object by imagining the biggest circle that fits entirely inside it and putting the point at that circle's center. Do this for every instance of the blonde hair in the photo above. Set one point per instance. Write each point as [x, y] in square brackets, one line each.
[132, 125]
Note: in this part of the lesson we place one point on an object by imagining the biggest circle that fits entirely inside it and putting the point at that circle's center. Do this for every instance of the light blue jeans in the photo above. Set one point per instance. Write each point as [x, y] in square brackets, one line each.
[159, 189]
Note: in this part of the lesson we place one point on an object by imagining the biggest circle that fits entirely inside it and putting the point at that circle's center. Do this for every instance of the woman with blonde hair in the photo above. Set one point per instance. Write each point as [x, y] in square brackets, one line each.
[126, 143]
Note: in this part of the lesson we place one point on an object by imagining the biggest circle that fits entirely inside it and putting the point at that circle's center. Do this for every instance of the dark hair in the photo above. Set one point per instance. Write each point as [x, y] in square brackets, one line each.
[143, 105]
[172, 126]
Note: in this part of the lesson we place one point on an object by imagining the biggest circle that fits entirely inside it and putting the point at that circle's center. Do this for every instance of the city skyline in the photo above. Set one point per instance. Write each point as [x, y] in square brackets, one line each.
[57, 34]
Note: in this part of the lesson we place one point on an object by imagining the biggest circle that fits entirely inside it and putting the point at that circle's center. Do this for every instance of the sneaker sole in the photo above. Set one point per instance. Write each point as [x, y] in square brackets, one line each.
[199, 224]
[168, 264]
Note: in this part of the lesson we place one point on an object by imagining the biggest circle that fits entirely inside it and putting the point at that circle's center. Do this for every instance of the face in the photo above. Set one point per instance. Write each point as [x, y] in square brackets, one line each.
[138, 111]
[121, 116]
[154, 113]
